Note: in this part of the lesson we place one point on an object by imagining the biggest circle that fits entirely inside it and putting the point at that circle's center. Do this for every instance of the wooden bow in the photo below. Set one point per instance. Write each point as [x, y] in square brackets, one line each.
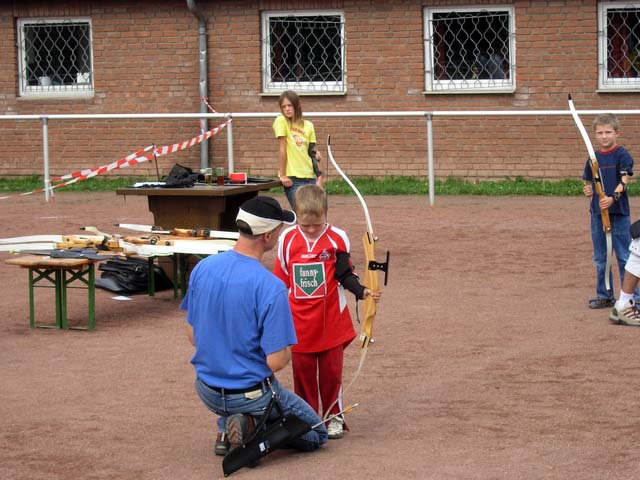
[370, 279]
[371, 272]
[597, 180]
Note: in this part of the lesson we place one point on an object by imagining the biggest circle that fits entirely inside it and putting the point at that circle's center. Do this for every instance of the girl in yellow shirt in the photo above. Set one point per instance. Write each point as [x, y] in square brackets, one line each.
[298, 159]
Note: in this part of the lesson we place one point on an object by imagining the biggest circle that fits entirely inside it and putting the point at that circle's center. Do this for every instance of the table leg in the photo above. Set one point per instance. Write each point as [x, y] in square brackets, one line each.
[92, 297]
[184, 267]
[88, 277]
[54, 278]
[61, 298]
[151, 279]
[176, 274]
[32, 305]
[59, 278]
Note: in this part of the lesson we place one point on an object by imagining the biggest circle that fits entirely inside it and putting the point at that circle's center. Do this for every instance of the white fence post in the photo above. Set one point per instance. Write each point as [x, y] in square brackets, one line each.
[432, 182]
[45, 150]
[230, 166]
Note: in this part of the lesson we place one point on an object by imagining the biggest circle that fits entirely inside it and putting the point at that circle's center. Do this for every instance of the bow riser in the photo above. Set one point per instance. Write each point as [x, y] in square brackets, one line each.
[371, 282]
[597, 180]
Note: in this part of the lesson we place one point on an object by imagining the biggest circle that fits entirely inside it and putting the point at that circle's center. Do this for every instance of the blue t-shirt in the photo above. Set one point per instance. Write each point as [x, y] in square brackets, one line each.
[240, 313]
[612, 165]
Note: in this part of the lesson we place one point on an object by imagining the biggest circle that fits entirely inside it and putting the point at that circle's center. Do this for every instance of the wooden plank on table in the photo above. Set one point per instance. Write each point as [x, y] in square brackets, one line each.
[43, 261]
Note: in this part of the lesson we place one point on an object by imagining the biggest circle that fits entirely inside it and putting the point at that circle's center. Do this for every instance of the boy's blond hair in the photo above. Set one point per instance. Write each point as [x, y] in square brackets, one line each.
[607, 119]
[311, 200]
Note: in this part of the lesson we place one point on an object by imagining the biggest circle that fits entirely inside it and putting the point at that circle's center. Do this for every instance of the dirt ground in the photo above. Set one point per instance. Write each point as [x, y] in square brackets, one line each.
[487, 363]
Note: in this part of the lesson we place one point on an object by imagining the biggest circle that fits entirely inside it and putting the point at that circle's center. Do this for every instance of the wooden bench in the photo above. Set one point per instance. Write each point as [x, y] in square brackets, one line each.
[59, 273]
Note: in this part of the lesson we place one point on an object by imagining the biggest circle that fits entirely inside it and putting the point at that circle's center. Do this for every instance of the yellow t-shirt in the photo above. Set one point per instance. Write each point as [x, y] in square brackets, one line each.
[298, 140]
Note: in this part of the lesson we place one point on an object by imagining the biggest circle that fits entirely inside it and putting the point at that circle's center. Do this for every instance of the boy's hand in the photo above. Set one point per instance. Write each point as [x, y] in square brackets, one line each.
[587, 190]
[372, 294]
[606, 202]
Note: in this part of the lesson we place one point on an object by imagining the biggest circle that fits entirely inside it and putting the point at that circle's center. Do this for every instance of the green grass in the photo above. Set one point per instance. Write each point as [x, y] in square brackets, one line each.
[456, 186]
[366, 185]
[35, 182]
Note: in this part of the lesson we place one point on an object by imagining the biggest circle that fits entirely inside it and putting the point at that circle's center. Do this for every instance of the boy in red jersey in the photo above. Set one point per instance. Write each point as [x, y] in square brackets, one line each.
[315, 265]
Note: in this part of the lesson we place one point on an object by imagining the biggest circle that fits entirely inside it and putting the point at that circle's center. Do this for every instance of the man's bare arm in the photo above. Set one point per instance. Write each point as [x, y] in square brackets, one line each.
[190, 335]
[278, 360]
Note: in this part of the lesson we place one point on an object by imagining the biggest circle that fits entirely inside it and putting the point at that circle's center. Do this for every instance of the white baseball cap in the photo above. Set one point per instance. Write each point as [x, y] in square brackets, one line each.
[263, 214]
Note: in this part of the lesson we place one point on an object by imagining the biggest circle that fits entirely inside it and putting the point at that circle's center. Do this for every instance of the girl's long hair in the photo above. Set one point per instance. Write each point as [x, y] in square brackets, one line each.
[295, 101]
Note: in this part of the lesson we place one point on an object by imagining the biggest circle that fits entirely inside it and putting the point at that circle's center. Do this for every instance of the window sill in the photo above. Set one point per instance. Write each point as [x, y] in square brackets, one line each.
[474, 91]
[56, 96]
[619, 90]
[303, 93]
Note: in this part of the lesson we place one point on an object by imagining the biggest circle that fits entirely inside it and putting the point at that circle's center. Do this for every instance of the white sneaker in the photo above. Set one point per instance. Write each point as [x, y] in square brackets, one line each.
[336, 428]
[628, 315]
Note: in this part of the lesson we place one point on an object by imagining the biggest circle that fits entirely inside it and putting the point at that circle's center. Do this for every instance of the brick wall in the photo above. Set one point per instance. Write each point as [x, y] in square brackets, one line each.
[146, 60]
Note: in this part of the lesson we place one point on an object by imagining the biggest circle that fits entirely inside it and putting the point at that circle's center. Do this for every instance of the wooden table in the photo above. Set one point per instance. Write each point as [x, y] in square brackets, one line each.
[201, 206]
[59, 273]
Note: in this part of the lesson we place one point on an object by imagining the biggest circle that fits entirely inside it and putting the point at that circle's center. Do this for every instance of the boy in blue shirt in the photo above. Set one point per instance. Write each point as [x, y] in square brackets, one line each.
[616, 166]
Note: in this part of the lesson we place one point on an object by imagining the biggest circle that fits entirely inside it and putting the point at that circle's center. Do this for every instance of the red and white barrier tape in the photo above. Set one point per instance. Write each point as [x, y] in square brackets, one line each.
[211, 109]
[176, 147]
[123, 162]
[132, 159]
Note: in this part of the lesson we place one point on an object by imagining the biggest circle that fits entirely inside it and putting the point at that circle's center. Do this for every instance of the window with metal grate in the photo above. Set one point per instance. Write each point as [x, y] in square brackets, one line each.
[619, 46]
[304, 52]
[469, 49]
[55, 56]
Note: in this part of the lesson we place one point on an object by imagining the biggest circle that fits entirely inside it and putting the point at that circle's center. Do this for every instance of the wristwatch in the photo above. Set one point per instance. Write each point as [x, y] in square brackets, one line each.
[616, 196]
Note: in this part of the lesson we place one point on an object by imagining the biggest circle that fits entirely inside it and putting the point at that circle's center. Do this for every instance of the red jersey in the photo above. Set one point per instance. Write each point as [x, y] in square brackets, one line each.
[317, 300]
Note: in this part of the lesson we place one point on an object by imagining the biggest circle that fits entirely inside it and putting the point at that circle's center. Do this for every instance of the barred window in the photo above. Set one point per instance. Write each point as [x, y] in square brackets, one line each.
[468, 49]
[304, 52]
[55, 56]
[618, 45]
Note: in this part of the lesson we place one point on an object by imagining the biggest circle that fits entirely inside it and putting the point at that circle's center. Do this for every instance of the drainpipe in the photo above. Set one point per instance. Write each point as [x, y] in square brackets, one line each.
[202, 46]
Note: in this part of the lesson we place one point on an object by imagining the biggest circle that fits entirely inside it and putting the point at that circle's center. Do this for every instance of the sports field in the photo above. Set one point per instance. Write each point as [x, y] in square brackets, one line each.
[487, 363]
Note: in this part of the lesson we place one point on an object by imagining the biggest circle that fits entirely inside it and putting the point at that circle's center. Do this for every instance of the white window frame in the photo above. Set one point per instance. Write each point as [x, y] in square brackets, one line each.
[468, 86]
[38, 91]
[605, 83]
[271, 87]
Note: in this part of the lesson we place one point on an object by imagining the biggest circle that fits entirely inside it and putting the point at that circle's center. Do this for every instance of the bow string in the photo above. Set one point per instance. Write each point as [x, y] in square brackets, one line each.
[370, 280]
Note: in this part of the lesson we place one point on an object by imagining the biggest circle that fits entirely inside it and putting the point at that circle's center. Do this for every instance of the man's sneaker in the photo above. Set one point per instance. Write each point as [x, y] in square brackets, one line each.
[629, 315]
[602, 303]
[336, 428]
[222, 444]
[239, 427]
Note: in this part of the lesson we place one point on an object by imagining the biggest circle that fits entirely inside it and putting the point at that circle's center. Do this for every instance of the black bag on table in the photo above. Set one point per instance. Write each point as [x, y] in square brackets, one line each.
[180, 176]
[130, 275]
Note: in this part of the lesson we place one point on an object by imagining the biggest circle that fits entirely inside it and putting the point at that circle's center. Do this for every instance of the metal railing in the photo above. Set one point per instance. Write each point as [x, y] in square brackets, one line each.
[427, 115]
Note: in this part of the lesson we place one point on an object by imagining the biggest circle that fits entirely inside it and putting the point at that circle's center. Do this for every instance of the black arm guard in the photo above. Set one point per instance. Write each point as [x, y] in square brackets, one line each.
[345, 276]
[314, 160]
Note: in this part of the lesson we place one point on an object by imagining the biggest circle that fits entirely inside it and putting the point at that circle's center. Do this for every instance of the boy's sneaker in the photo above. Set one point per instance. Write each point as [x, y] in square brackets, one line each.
[336, 428]
[222, 444]
[239, 427]
[629, 315]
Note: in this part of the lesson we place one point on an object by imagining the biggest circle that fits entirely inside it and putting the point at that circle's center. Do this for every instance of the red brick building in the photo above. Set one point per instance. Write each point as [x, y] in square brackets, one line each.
[138, 56]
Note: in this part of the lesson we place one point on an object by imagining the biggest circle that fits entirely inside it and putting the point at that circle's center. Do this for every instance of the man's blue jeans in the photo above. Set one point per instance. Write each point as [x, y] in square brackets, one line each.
[621, 238]
[225, 405]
